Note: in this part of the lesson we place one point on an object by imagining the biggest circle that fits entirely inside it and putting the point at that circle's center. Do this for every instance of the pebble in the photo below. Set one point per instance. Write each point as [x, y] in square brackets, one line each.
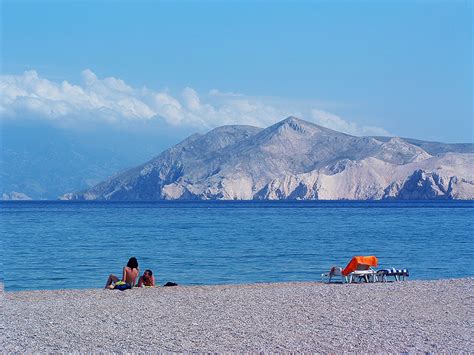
[410, 316]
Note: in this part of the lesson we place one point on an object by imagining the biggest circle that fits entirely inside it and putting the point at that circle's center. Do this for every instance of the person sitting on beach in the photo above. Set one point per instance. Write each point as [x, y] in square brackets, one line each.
[147, 279]
[129, 276]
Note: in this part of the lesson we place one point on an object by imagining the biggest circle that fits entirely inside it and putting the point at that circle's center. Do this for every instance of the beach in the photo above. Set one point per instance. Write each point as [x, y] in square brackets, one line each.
[410, 316]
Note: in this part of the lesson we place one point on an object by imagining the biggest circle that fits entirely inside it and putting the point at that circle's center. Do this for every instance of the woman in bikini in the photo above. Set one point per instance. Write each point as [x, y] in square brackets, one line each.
[129, 275]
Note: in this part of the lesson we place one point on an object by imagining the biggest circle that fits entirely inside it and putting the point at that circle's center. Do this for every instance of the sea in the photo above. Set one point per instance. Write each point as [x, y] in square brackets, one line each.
[73, 245]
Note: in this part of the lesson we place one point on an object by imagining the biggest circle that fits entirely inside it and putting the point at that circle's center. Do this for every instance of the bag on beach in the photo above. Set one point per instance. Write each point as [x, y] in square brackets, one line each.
[170, 284]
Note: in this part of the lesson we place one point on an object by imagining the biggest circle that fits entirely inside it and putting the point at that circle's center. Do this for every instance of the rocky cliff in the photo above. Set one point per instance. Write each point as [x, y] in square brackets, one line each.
[14, 196]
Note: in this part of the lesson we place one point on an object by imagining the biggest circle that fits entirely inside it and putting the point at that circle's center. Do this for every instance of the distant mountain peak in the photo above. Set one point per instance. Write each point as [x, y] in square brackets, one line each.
[293, 119]
[301, 126]
[294, 125]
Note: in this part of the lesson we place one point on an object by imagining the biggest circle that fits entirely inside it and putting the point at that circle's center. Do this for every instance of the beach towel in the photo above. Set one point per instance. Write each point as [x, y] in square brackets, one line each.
[122, 286]
[359, 260]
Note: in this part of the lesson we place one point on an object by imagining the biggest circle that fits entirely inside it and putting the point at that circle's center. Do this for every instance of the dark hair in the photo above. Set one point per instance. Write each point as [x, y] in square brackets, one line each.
[149, 271]
[132, 263]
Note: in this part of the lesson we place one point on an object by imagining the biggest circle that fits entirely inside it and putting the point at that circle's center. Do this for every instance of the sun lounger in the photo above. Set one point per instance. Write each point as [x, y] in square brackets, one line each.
[368, 275]
[359, 268]
[335, 272]
[398, 274]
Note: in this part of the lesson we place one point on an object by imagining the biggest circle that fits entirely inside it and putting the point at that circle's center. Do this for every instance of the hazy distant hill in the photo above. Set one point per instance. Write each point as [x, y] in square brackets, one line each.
[43, 161]
[294, 159]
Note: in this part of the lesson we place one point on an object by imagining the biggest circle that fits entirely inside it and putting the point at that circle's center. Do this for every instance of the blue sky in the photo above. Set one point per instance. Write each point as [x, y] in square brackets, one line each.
[401, 68]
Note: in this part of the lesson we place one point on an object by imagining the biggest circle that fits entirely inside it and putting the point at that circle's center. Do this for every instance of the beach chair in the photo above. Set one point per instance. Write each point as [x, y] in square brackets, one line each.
[333, 273]
[358, 269]
[397, 274]
[363, 272]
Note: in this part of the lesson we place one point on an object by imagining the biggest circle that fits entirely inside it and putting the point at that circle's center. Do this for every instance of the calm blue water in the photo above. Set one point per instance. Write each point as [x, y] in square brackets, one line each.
[50, 245]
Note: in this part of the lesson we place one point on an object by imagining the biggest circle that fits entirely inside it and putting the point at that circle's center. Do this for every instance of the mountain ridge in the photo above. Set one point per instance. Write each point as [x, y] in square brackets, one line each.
[291, 159]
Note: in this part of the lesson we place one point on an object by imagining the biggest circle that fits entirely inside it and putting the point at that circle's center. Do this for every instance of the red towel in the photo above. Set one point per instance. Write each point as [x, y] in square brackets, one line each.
[359, 260]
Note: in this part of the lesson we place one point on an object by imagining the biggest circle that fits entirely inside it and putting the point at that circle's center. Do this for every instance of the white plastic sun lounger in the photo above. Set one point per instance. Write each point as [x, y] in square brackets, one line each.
[369, 275]
[334, 272]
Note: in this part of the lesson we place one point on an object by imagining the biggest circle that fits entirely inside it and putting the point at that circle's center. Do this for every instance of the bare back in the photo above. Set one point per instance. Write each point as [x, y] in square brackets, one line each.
[130, 275]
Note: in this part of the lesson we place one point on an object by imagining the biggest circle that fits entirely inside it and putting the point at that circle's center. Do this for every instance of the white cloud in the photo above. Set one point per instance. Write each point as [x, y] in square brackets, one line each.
[111, 100]
[215, 92]
[191, 99]
[336, 123]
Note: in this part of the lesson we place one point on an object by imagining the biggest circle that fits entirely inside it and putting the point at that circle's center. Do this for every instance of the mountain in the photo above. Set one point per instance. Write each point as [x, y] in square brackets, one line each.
[43, 161]
[15, 196]
[294, 159]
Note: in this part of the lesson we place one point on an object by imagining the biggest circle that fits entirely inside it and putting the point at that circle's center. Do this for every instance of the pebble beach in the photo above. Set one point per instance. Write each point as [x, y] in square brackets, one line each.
[410, 316]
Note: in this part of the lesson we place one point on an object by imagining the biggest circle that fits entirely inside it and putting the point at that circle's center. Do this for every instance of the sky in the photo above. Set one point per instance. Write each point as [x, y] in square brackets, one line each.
[400, 68]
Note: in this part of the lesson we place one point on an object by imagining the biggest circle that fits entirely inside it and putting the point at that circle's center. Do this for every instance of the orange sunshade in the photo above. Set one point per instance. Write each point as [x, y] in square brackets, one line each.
[359, 260]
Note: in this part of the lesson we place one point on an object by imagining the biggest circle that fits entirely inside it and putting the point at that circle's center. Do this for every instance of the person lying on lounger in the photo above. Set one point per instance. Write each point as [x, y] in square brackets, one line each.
[147, 279]
[129, 276]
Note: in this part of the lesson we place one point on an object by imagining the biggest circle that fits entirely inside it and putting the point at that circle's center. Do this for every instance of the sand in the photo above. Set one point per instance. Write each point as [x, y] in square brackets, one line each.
[411, 316]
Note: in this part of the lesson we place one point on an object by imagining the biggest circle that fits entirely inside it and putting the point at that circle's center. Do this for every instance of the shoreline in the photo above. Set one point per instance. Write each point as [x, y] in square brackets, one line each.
[275, 283]
[421, 315]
